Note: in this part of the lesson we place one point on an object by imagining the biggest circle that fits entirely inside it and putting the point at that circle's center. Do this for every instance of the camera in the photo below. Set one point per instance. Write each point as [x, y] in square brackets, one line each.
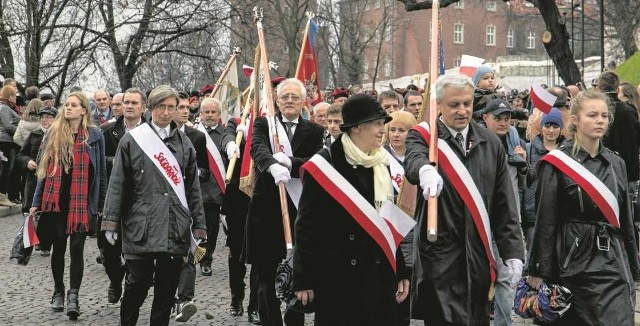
[517, 161]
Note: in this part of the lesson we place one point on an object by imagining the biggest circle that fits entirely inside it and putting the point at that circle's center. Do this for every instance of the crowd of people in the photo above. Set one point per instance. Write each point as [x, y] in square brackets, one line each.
[520, 192]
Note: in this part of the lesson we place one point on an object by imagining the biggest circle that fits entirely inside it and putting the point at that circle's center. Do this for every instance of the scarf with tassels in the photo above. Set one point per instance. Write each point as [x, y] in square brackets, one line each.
[77, 219]
[378, 160]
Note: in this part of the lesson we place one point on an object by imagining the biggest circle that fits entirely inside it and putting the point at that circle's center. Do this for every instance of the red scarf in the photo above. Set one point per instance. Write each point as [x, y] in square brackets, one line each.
[77, 219]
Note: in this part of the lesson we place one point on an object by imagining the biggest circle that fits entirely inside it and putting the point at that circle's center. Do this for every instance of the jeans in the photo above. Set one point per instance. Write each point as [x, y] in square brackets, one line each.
[505, 293]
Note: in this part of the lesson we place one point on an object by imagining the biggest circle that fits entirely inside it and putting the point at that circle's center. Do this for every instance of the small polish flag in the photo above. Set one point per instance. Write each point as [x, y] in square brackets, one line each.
[247, 70]
[398, 221]
[541, 99]
[469, 64]
[29, 236]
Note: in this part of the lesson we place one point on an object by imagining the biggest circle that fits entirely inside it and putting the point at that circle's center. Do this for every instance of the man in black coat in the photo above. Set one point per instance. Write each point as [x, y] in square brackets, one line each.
[135, 102]
[624, 133]
[211, 199]
[236, 204]
[265, 243]
[451, 276]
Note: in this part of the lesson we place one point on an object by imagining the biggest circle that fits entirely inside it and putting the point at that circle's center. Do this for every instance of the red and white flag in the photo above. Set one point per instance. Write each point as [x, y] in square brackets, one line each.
[541, 99]
[247, 70]
[469, 64]
[29, 236]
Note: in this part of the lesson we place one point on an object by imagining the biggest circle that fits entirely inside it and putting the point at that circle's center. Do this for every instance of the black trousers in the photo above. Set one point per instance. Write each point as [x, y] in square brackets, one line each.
[187, 282]
[212, 216]
[236, 221]
[163, 272]
[112, 259]
[76, 265]
[268, 303]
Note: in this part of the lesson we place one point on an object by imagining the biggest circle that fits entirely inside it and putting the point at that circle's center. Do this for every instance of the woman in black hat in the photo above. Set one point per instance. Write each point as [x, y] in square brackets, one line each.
[337, 264]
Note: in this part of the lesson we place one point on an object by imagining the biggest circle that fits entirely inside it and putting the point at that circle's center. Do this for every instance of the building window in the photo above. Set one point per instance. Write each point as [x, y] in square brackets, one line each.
[459, 4]
[510, 38]
[456, 62]
[365, 69]
[491, 35]
[491, 6]
[376, 3]
[387, 68]
[458, 33]
[430, 31]
[531, 40]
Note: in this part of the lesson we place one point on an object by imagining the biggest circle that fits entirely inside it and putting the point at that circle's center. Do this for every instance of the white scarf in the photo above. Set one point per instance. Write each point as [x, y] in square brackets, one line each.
[378, 160]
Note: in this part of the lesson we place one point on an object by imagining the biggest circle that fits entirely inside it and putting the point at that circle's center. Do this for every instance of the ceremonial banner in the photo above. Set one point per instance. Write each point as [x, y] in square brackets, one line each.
[307, 71]
[229, 94]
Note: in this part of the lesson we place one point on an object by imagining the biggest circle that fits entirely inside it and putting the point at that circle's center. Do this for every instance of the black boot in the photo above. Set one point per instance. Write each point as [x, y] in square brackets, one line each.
[57, 300]
[73, 309]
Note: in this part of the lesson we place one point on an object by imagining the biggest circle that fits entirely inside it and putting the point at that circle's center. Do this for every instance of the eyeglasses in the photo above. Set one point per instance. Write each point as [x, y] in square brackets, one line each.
[292, 97]
[163, 107]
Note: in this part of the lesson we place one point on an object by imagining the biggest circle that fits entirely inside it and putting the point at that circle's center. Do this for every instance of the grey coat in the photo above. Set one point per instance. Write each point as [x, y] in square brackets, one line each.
[8, 123]
[142, 206]
[451, 276]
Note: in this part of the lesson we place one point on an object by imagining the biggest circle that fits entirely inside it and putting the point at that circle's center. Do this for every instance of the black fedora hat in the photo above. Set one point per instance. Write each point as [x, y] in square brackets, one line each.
[361, 108]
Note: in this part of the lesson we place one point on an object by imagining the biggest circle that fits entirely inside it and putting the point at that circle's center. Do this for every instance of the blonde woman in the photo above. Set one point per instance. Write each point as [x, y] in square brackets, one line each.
[72, 182]
[584, 236]
[30, 121]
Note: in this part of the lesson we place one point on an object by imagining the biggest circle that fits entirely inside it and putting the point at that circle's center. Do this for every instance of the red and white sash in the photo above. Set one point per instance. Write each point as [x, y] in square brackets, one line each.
[466, 188]
[397, 171]
[167, 164]
[216, 165]
[387, 227]
[598, 191]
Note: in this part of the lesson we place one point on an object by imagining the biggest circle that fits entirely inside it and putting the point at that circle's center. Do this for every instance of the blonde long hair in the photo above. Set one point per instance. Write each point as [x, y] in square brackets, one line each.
[60, 139]
[577, 106]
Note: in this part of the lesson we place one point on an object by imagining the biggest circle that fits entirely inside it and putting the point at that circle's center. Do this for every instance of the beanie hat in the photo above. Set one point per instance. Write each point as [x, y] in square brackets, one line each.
[554, 116]
[479, 73]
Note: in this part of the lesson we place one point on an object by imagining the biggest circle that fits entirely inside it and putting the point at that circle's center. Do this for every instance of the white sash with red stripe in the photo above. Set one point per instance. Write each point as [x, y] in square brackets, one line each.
[294, 186]
[466, 188]
[167, 164]
[216, 165]
[598, 191]
[396, 171]
[387, 227]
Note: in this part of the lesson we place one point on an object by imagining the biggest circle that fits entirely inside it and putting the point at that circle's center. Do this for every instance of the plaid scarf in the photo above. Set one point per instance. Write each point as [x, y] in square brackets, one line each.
[77, 219]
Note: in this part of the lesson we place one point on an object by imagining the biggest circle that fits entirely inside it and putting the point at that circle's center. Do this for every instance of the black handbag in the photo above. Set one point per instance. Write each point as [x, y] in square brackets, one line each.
[19, 254]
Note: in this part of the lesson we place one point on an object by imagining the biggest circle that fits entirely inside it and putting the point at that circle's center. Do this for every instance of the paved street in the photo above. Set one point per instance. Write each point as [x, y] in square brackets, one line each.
[26, 290]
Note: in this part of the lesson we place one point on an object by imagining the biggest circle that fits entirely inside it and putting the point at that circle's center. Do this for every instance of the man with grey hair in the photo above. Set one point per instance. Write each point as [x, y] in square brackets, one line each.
[103, 111]
[117, 106]
[452, 274]
[154, 205]
[320, 114]
[264, 246]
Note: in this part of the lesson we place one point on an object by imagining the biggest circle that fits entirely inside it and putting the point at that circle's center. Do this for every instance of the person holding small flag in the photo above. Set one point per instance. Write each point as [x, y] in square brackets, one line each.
[454, 276]
[345, 238]
[584, 237]
[154, 204]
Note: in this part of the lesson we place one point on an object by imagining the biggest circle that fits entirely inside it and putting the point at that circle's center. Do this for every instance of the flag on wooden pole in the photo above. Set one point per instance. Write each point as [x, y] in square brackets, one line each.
[307, 71]
[541, 99]
[229, 94]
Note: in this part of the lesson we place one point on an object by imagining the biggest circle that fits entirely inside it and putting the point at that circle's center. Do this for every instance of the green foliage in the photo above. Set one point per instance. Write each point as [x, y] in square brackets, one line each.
[629, 70]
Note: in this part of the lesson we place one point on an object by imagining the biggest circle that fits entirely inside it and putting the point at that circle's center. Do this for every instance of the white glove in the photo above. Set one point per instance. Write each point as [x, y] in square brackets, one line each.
[514, 267]
[244, 130]
[283, 159]
[111, 237]
[279, 173]
[430, 181]
[232, 148]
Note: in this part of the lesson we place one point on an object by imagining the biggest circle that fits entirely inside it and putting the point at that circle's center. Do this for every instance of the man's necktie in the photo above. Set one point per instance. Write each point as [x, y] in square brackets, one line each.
[460, 140]
[290, 125]
[102, 118]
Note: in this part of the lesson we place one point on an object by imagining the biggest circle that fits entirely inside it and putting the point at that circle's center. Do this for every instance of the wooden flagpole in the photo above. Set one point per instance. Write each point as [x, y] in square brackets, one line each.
[432, 202]
[284, 207]
[239, 135]
[216, 87]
